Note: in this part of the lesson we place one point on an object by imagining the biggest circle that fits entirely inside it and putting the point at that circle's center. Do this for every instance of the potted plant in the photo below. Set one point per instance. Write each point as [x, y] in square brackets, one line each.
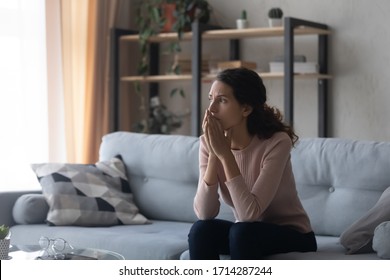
[179, 14]
[275, 17]
[161, 120]
[243, 21]
[5, 236]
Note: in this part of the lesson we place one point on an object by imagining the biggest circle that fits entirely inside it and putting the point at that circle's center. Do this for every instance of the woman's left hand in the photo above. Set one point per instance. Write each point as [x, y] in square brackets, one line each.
[219, 140]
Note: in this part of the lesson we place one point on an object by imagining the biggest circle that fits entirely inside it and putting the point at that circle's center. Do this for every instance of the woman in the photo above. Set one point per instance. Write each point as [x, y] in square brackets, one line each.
[244, 156]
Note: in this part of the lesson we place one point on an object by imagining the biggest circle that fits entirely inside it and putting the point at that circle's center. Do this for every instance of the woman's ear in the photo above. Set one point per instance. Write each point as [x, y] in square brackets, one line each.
[247, 110]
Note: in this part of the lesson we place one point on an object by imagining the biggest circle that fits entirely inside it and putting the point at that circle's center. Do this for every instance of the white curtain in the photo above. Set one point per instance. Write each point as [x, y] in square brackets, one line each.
[24, 112]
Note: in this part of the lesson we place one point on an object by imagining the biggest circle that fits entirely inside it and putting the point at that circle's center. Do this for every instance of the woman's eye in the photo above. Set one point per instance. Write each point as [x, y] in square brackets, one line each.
[219, 100]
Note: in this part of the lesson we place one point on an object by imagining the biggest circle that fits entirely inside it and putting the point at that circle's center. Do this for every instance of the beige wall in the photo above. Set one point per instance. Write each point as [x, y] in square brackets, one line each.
[359, 61]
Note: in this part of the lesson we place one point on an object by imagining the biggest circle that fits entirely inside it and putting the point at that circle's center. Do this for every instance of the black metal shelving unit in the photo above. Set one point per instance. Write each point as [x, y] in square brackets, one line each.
[201, 32]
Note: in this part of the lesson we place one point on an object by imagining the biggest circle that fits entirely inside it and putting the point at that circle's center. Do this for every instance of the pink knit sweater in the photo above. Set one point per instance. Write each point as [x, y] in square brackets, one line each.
[265, 190]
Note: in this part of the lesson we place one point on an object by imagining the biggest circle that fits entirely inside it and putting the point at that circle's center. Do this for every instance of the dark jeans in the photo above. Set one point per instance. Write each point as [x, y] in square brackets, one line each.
[245, 240]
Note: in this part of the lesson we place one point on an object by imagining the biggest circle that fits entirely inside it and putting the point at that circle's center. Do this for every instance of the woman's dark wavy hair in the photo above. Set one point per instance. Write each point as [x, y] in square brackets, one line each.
[248, 89]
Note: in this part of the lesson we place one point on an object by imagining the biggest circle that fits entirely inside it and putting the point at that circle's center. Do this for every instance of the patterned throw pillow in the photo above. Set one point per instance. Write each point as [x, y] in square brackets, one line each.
[88, 194]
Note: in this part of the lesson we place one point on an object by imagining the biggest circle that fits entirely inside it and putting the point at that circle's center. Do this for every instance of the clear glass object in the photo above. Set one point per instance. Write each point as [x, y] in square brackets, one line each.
[55, 249]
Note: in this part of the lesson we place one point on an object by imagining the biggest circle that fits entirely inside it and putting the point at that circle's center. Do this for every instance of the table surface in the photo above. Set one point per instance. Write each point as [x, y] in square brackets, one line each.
[33, 252]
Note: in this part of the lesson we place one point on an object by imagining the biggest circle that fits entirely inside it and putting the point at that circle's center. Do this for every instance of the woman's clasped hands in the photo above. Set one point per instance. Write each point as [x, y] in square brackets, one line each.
[218, 140]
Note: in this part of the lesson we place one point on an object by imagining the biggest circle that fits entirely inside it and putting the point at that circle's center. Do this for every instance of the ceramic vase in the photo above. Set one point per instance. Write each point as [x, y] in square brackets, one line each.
[275, 22]
[242, 23]
[4, 248]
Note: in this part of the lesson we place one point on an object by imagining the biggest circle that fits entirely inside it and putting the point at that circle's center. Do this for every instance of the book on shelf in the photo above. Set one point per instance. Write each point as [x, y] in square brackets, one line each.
[236, 64]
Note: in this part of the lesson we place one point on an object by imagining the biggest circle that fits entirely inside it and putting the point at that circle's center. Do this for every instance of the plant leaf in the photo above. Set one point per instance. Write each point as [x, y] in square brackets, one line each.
[155, 14]
[173, 92]
[137, 87]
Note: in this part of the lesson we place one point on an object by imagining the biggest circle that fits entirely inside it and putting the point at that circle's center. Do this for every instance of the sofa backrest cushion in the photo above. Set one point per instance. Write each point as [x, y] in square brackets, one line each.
[339, 180]
[163, 172]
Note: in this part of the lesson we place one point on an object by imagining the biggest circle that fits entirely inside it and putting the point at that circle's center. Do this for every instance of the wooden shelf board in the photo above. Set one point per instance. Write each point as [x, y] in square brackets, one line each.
[209, 77]
[156, 78]
[231, 34]
[280, 75]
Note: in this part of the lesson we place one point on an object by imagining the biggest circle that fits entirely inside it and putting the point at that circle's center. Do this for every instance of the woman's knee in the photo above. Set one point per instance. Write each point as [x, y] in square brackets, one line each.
[212, 229]
[208, 238]
[243, 241]
[201, 228]
[241, 230]
[202, 225]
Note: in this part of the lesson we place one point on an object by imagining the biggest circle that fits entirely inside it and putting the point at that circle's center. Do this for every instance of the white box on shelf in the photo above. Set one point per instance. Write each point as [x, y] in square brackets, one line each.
[299, 67]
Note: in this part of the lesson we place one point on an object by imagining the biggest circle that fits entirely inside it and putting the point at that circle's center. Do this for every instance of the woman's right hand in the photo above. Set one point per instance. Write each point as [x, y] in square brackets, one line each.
[205, 128]
[210, 176]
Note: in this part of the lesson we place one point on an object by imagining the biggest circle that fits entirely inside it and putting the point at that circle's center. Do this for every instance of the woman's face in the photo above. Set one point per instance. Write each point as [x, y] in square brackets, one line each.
[225, 107]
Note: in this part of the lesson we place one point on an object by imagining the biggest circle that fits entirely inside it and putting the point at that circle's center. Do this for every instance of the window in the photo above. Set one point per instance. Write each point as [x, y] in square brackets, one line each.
[23, 93]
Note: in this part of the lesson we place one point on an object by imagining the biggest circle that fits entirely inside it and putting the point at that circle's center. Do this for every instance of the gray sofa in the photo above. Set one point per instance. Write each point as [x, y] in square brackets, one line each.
[338, 181]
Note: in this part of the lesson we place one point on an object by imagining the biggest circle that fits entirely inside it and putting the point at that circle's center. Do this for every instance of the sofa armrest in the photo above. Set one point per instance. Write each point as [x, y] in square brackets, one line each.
[7, 201]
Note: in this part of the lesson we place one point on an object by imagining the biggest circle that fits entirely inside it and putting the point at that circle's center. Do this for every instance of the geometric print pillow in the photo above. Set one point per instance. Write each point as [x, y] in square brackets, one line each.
[88, 194]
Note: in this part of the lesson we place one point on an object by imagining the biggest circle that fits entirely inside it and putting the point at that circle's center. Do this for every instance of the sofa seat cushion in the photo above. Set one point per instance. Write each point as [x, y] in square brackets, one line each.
[329, 248]
[158, 240]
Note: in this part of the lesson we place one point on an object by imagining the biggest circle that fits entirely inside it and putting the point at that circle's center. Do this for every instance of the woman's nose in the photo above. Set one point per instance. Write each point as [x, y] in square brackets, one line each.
[212, 107]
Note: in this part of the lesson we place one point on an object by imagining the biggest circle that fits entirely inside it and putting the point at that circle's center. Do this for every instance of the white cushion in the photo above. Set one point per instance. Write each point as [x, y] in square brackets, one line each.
[358, 237]
[381, 240]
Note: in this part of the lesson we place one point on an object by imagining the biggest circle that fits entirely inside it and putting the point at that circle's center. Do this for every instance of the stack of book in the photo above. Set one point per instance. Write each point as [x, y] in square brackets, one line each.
[236, 64]
[185, 65]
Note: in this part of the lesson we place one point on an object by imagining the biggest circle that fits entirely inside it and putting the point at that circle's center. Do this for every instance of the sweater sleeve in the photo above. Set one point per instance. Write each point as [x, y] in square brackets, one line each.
[250, 202]
[206, 201]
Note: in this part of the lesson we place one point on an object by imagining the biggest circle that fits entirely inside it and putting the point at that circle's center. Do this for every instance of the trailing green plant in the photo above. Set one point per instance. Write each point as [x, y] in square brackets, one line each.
[4, 231]
[150, 21]
[275, 13]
